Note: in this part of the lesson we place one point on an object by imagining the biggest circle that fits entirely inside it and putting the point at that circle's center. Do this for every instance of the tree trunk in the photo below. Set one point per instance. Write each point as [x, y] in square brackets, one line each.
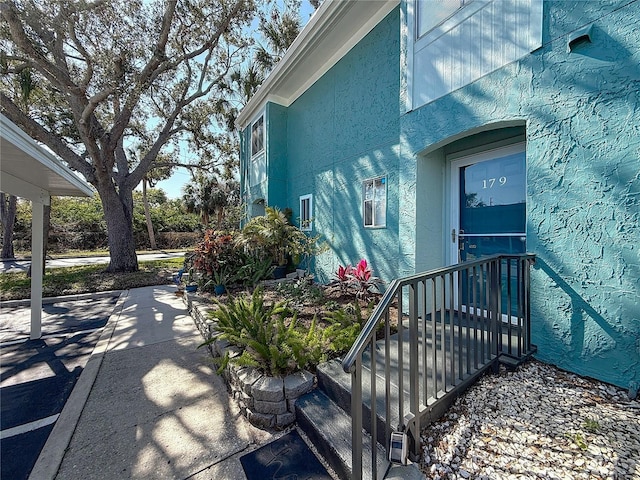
[45, 235]
[220, 217]
[147, 215]
[118, 214]
[8, 207]
[46, 223]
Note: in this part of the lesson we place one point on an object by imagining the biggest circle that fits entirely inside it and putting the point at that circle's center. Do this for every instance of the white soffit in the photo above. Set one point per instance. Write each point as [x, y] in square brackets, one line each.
[30, 171]
[334, 29]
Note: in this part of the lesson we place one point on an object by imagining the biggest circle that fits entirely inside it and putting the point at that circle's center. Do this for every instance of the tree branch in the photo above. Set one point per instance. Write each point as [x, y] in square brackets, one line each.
[20, 38]
[88, 74]
[145, 78]
[39, 133]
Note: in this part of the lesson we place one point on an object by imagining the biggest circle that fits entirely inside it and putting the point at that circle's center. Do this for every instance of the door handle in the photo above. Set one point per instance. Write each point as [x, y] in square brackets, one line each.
[454, 235]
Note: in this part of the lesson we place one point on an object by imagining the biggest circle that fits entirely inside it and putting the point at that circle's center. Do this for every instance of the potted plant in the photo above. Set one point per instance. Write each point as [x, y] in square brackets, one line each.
[219, 279]
[274, 236]
[192, 283]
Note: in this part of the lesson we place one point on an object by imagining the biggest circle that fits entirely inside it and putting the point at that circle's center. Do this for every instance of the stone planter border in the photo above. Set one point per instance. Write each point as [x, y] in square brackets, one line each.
[268, 402]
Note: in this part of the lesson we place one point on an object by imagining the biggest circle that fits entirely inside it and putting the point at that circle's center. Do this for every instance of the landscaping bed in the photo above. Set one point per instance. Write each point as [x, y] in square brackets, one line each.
[305, 324]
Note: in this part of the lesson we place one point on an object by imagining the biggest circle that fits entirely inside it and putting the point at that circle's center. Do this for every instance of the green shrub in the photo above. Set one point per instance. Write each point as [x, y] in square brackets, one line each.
[301, 292]
[272, 235]
[271, 339]
[253, 270]
[344, 326]
[269, 343]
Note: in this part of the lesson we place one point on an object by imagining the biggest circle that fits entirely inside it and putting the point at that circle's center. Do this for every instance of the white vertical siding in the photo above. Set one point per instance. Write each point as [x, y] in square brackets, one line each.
[480, 38]
[258, 169]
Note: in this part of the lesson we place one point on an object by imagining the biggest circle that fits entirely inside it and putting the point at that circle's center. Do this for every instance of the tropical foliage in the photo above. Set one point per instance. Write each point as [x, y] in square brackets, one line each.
[208, 195]
[272, 340]
[260, 330]
[358, 279]
[272, 235]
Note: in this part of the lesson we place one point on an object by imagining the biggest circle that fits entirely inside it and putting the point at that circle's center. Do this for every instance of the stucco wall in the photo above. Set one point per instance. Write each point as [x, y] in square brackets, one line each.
[341, 131]
[583, 173]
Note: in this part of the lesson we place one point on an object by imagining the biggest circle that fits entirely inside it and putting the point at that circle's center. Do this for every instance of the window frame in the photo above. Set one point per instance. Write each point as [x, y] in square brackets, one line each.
[466, 9]
[253, 130]
[306, 225]
[373, 200]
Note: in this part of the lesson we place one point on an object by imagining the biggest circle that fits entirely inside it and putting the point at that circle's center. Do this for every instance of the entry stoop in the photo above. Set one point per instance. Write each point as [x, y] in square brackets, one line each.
[323, 414]
[329, 429]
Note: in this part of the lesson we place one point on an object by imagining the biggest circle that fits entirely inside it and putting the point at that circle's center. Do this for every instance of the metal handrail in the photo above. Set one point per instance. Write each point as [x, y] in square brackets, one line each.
[390, 294]
[353, 360]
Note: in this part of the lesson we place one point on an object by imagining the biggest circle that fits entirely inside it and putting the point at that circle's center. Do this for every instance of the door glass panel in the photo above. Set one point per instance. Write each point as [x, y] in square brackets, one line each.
[492, 218]
[493, 196]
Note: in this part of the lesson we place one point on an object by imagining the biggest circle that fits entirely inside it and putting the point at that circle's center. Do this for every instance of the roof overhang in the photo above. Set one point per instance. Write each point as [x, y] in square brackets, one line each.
[334, 29]
[30, 171]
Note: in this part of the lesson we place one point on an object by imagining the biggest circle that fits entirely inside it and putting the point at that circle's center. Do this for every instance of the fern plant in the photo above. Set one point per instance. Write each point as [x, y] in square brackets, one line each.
[268, 343]
[344, 326]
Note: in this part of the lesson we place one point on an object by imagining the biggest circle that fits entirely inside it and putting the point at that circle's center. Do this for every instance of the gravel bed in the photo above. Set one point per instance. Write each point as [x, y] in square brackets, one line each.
[538, 422]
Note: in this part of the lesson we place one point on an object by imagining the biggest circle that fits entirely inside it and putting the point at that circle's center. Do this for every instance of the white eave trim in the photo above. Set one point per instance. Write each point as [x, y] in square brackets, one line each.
[365, 15]
[15, 135]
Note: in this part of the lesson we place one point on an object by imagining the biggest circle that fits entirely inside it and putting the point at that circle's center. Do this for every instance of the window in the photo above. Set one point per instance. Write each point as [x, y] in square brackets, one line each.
[433, 12]
[257, 136]
[375, 202]
[306, 213]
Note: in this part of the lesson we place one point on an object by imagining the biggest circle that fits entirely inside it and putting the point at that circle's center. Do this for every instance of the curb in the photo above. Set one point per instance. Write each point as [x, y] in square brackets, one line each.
[50, 458]
[26, 302]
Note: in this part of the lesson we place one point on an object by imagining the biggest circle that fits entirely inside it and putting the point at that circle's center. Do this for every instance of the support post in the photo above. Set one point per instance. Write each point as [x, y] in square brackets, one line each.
[356, 419]
[414, 381]
[37, 251]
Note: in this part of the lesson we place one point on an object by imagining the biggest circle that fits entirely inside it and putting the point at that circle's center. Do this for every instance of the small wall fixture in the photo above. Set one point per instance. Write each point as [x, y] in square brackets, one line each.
[578, 37]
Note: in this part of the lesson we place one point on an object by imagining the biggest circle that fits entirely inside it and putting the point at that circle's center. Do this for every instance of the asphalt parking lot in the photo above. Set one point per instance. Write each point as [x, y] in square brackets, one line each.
[37, 376]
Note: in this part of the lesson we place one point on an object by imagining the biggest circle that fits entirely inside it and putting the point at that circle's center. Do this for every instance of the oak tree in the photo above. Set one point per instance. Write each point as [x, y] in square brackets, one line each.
[112, 72]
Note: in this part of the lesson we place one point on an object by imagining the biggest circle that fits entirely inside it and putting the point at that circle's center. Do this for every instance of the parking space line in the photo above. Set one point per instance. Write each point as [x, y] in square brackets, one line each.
[28, 427]
[52, 335]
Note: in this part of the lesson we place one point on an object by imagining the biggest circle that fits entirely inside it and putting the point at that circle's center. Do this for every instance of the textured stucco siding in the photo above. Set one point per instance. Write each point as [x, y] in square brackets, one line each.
[341, 131]
[582, 118]
[584, 185]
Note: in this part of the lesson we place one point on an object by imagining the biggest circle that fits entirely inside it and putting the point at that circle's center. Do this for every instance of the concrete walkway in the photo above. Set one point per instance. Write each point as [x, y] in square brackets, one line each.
[15, 266]
[149, 403]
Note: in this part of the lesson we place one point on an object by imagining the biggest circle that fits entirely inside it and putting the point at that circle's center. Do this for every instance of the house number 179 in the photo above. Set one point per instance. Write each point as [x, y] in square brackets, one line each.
[490, 182]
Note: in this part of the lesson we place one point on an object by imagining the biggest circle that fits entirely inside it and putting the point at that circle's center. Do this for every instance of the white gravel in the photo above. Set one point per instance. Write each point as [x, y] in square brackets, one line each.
[538, 422]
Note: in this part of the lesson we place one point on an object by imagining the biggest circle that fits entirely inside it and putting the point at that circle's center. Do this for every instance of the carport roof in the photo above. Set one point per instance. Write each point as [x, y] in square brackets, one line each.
[30, 171]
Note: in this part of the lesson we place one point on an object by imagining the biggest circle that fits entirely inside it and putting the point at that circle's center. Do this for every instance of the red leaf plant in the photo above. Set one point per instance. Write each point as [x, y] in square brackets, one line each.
[359, 279]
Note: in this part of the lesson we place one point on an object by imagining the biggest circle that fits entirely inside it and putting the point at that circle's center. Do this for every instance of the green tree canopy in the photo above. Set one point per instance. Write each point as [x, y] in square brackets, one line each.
[103, 74]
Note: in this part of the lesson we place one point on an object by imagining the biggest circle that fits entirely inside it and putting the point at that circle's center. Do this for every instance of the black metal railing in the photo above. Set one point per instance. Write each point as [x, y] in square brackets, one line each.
[431, 336]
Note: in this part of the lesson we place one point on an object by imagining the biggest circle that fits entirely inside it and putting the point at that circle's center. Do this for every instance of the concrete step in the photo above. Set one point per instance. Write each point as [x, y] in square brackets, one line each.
[336, 384]
[329, 428]
[436, 375]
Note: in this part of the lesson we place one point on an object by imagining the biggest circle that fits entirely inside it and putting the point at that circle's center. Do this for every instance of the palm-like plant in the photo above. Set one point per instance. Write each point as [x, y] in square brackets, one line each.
[273, 235]
[260, 329]
[209, 195]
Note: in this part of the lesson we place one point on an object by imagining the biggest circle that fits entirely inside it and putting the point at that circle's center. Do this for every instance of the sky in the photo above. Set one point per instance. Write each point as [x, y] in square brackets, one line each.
[173, 186]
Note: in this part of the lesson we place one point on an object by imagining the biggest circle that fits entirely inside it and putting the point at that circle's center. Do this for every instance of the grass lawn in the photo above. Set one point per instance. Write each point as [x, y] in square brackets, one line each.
[22, 255]
[89, 278]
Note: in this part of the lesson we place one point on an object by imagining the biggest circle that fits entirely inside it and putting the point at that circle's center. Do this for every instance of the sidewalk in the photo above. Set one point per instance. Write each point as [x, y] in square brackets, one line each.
[148, 403]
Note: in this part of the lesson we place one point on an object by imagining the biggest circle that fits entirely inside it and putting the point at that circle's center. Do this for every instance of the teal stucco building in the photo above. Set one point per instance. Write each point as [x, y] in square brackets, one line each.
[418, 134]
